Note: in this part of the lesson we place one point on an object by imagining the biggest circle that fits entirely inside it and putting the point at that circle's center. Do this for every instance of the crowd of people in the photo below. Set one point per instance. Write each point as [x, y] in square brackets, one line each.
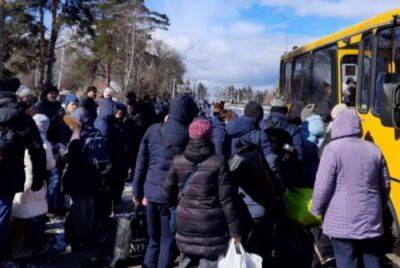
[188, 167]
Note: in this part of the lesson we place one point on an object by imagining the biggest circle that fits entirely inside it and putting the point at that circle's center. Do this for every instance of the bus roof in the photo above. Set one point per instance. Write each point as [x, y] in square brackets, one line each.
[380, 20]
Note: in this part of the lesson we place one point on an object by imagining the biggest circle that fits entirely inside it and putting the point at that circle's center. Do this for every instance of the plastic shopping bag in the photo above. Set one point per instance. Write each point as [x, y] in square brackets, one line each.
[298, 206]
[236, 257]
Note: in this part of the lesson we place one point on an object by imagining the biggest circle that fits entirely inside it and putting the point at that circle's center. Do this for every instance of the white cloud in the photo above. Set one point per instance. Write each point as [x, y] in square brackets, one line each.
[220, 47]
[334, 8]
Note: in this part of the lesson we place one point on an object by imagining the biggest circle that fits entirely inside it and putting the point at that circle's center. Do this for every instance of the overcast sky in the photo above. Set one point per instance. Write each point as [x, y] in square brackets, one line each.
[240, 41]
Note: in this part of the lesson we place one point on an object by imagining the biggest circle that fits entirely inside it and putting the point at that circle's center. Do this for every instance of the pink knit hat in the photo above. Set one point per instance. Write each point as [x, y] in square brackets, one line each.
[200, 129]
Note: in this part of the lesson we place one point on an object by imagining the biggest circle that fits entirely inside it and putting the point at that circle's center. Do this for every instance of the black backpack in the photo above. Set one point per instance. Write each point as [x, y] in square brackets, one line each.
[96, 150]
[8, 143]
[281, 139]
[250, 170]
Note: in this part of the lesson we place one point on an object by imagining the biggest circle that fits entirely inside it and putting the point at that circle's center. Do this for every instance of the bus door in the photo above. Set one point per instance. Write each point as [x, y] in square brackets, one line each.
[347, 68]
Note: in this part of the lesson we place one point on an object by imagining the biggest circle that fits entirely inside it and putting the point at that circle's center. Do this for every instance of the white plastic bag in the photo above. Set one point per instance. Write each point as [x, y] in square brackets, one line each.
[236, 257]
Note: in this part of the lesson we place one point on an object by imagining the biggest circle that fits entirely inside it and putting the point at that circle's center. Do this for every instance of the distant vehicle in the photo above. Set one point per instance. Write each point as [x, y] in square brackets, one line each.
[367, 52]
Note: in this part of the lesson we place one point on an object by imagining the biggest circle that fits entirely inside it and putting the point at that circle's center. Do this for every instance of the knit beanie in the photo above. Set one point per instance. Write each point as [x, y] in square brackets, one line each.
[200, 129]
[308, 111]
[50, 89]
[108, 92]
[24, 91]
[254, 110]
[279, 104]
[69, 99]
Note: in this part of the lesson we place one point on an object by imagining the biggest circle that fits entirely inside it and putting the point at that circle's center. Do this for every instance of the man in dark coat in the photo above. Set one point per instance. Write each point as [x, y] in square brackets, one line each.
[51, 107]
[18, 132]
[278, 122]
[245, 129]
[159, 146]
[88, 102]
[80, 180]
[118, 154]
[134, 129]
[203, 228]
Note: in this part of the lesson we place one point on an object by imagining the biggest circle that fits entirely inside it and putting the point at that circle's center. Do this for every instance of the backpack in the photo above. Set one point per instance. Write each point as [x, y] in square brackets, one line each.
[250, 170]
[96, 150]
[8, 143]
[281, 139]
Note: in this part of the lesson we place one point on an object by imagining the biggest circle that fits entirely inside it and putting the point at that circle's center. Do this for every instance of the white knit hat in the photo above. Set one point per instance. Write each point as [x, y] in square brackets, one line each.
[108, 92]
[24, 91]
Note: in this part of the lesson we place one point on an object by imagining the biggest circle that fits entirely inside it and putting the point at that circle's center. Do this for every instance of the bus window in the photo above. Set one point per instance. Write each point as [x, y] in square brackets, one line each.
[288, 76]
[366, 61]
[388, 42]
[323, 90]
[301, 79]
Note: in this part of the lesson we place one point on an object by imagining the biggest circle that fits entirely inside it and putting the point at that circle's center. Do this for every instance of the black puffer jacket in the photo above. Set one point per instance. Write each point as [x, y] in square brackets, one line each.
[207, 214]
[27, 136]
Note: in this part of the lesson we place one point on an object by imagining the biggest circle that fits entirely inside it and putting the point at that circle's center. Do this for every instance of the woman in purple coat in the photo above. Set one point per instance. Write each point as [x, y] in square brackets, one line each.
[351, 188]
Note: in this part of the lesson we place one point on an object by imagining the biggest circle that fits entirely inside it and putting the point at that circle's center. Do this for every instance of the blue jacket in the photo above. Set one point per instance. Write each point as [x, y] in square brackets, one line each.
[107, 108]
[243, 128]
[281, 120]
[219, 137]
[312, 133]
[158, 149]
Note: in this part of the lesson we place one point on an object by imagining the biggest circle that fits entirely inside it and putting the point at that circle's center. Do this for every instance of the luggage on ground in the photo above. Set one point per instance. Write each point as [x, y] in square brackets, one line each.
[131, 236]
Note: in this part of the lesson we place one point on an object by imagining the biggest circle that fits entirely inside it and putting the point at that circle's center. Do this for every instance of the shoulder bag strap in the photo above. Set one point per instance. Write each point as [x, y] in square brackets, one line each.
[189, 180]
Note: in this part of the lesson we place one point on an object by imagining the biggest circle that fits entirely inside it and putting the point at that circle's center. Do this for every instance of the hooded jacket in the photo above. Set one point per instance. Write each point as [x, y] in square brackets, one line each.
[159, 145]
[312, 134]
[207, 214]
[80, 177]
[352, 184]
[58, 132]
[90, 106]
[12, 173]
[107, 108]
[243, 128]
[219, 137]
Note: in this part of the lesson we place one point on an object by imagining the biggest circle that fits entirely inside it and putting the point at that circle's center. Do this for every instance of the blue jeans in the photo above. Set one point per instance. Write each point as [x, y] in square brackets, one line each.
[160, 248]
[358, 253]
[6, 202]
[52, 191]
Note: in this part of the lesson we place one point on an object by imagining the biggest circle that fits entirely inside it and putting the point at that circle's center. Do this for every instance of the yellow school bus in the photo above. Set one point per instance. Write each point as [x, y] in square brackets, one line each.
[368, 53]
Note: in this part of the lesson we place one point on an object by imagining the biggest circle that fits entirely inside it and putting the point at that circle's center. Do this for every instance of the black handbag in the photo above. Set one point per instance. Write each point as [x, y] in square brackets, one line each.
[131, 236]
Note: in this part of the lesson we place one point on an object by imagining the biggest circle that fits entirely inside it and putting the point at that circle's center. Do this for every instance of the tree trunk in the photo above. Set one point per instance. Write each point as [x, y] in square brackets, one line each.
[108, 74]
[2, 24]
[55, 27]
[42, 58]
[132, 55]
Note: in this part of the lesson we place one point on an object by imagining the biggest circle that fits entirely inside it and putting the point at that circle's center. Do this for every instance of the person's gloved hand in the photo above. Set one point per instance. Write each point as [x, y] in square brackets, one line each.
[37, 185]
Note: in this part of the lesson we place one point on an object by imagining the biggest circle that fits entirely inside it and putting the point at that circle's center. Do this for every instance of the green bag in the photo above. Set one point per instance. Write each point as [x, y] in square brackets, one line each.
[298, 206]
